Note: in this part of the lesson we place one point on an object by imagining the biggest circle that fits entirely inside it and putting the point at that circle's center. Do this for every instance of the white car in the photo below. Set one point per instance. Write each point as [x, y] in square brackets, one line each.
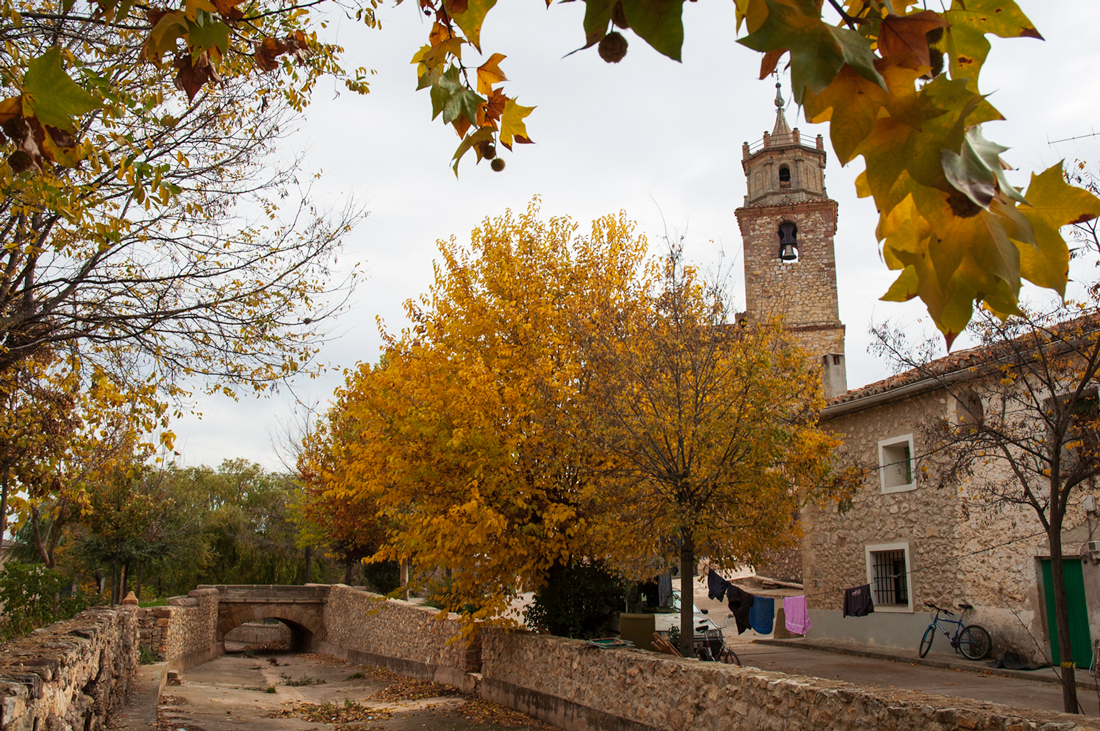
[665, 622]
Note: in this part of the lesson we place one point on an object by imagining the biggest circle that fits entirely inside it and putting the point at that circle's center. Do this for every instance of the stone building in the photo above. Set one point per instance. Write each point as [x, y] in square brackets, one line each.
[787, 226]
[916, 540]
[911, 540]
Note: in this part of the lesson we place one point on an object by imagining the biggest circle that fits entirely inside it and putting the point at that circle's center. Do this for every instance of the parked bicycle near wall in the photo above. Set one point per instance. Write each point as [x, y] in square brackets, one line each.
[971, 640]
[710, 642]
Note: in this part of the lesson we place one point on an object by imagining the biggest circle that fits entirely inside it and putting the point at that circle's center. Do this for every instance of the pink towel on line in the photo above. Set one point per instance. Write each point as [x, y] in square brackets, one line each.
[795, 614]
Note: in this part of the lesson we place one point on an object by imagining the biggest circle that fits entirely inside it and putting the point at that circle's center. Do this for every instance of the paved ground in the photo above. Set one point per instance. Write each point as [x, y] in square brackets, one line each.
[903, 676]
[316, 692]
[140, 714]
[900, 670]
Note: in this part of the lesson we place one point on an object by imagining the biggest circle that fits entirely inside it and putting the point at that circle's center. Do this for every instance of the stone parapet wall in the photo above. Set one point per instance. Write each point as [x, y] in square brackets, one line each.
[184, 631]
[409, 639]
[70, 675]
[581, 688]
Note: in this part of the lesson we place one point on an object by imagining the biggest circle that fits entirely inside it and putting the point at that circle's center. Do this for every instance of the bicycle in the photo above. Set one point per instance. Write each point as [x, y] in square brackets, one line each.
[710, 643]
[972, 640]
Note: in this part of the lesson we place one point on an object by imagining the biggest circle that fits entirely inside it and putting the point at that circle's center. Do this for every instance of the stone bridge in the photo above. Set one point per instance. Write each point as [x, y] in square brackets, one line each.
[301, 608]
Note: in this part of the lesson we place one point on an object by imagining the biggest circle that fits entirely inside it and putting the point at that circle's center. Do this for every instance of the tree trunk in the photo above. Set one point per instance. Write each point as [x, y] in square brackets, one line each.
[687, 595]
[347, 572]
[309, 565]
[114, 580]
[139, 579]
[4, 500]
[1061, 618]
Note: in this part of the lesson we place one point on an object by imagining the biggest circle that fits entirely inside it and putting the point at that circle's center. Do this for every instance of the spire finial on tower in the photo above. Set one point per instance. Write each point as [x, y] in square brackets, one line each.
[781, 127]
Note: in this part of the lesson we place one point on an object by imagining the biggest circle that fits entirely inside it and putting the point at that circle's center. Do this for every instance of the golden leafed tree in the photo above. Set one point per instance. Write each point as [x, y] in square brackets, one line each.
[709, 429]
[462, 428]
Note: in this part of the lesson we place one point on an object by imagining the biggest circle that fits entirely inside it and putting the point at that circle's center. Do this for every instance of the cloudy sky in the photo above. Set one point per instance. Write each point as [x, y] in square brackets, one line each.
[655, 138]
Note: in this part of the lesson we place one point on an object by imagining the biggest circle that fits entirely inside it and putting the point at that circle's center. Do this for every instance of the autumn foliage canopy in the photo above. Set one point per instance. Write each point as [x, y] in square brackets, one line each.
[543, 408]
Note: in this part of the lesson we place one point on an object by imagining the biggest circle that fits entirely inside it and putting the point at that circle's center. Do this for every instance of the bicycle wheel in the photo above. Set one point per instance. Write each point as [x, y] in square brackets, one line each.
[974, 642]
[926, 641]
[729, 657]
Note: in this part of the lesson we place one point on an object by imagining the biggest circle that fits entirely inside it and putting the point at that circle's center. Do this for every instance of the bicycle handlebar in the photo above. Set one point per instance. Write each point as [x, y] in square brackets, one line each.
[948, 612]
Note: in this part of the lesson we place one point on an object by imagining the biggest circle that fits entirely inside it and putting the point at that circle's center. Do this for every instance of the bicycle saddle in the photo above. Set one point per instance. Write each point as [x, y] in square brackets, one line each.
[964, 605]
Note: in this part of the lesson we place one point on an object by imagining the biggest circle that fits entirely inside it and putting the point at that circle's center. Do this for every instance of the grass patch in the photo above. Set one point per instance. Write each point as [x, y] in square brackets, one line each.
[300, 682]
[147, 656]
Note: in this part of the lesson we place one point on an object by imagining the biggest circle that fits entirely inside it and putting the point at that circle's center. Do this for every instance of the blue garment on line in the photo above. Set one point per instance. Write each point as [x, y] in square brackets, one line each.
[762, 614]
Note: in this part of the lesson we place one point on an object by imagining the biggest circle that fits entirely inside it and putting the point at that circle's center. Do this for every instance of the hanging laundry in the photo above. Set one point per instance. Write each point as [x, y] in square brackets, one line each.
[857, 601]
[795, 614]
[762, 614]
[740, 603]
[716, 585]
[664, 588]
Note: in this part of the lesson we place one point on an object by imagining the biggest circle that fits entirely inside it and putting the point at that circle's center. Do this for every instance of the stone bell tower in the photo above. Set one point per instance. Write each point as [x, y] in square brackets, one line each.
[787, 227]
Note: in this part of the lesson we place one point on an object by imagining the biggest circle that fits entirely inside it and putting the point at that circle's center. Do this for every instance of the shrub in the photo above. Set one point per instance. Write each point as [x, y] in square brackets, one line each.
[34, 596]
[578, 600]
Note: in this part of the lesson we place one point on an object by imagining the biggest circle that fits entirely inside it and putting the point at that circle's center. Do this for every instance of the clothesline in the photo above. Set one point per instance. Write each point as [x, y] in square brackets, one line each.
[825, 592]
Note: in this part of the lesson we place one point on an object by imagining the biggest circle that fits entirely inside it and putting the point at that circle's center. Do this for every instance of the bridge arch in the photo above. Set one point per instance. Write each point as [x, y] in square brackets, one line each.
[300, 608]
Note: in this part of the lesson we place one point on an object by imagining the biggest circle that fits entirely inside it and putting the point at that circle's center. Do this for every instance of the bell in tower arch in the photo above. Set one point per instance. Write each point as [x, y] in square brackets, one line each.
[788, 241]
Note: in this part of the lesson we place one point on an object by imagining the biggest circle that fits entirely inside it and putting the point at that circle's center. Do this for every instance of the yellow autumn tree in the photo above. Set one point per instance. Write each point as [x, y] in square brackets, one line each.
[709, 428]
[463, 431]
[561, 398]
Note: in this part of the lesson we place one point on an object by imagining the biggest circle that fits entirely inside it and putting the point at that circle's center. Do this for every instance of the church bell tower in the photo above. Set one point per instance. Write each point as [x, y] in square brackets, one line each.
[787, 226]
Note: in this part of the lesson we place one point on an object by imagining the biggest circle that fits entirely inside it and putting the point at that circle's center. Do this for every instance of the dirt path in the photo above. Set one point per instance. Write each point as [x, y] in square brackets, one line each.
[289, 692]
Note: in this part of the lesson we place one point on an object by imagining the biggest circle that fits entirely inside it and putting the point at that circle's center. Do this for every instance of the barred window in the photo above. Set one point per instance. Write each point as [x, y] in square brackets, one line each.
[889, 577]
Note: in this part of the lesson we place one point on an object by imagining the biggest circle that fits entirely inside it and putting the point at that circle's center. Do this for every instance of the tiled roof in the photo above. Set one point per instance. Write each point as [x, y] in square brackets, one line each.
[961, 364]
[956, 362]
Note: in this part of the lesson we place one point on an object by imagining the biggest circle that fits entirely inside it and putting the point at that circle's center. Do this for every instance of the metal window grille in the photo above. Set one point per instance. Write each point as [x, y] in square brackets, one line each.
[888, 577]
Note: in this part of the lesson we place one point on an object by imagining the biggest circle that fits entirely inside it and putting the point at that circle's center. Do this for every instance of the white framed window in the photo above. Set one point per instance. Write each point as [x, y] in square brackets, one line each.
[897, 469]
[888, 575]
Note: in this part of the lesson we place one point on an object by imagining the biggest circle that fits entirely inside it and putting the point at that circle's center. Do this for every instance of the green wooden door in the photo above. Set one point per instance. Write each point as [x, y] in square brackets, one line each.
[1079, 634]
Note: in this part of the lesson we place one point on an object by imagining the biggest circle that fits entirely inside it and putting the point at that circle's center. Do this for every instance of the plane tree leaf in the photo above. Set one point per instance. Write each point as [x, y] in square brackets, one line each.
[597, 16]
[512, 126]
[1051, 204]
[51, 95]
[908, 35]
[817, 49]
[489, 73]
[470, 19]
[659, 23]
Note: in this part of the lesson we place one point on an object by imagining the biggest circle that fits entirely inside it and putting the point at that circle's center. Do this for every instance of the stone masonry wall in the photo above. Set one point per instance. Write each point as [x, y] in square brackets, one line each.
[962, 546]
[833, 544]
[184, 630]
[580, 688]
[409, 639]
[70, 675]
[804, 291]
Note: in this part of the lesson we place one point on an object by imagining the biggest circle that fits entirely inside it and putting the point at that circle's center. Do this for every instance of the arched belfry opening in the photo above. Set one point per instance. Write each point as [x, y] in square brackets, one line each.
[788, 242]
[784, 176]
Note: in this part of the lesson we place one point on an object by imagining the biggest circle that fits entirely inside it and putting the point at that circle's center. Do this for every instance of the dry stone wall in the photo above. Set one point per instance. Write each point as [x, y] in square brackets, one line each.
[581, 688]
[184, 631]
[409, 639]
[70, 675]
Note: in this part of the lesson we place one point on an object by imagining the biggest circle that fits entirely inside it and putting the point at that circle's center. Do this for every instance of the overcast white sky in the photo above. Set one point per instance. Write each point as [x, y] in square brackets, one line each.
[655, 138]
